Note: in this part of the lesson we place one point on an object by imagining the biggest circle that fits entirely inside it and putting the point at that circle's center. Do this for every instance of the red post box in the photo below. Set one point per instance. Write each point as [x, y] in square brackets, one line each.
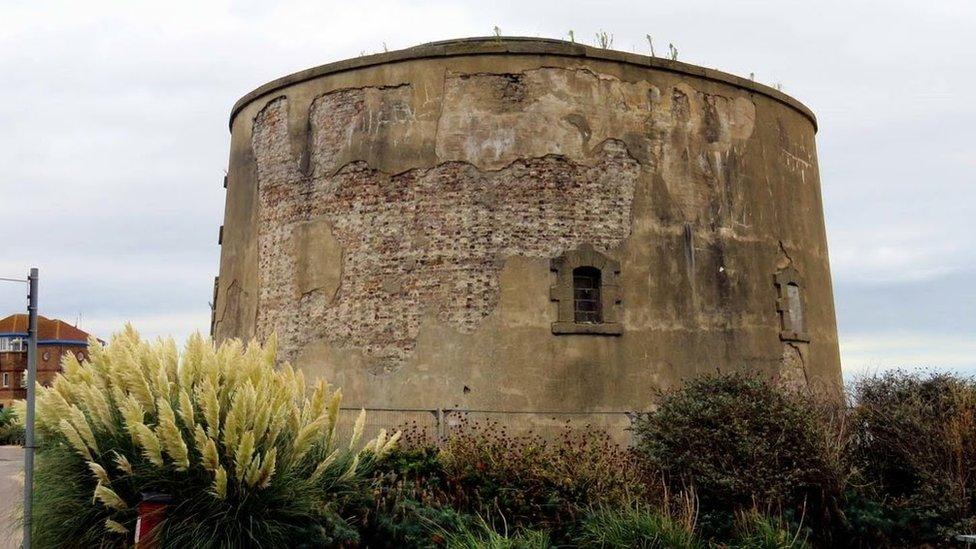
[152, 511]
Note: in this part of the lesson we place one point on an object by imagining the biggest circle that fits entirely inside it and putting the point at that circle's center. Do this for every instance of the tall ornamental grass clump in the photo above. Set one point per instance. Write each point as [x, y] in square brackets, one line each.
[249, 457]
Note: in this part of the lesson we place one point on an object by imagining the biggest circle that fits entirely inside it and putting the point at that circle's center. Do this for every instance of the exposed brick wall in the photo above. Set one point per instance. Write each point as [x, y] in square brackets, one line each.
[531, 164]
[427, 241]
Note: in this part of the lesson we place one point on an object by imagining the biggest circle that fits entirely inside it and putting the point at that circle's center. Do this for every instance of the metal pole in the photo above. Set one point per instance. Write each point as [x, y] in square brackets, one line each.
[29, 420]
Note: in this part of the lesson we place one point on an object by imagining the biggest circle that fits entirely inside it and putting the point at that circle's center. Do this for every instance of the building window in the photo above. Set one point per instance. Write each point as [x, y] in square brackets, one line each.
[587, 293]
[796, 306]
[6, 379]
[11, 344]
[790, 304]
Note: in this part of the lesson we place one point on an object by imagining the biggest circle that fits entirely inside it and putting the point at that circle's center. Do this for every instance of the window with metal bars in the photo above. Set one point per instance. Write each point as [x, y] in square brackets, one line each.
[587, 305]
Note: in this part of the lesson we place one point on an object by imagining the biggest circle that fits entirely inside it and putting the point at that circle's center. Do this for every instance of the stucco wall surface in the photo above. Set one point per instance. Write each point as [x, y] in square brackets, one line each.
[393, 219]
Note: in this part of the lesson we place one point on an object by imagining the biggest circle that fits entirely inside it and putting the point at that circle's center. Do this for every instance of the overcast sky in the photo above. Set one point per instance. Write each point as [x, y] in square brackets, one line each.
[114, 141]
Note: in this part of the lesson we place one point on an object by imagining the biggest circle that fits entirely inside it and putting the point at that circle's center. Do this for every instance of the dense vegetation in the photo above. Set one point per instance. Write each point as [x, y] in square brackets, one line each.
[11, 432]
[249, 457]
[252, 458]
[725, 461]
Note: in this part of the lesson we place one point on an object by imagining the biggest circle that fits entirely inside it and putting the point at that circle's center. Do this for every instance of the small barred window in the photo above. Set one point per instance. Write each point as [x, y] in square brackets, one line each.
[587, 304]
[587, 292]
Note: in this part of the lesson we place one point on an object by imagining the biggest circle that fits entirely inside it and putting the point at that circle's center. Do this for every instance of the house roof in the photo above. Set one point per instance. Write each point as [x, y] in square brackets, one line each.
[48, 330]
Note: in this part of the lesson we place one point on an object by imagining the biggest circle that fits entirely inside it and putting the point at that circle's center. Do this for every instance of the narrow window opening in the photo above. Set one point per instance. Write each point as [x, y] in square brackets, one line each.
[587, 304]
[796, 307]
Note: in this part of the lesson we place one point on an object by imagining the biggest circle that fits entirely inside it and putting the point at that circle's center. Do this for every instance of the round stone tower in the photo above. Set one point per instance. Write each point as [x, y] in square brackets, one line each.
[526, 225]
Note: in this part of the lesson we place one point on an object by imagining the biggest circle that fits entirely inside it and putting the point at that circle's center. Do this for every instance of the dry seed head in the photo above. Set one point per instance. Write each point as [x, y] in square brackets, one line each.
[186, 408]
[199, 438]
[115, 527]
[299, 383]
[270, 352]
[243, 454]
[377, 444]
[138, 387]
[161, 377]
[74, 439]
[390, 444]
[133, 414]
[333, 416]
[262, 419]
[319, 395]
[235, 422]
[210, 458]
[109, 498]
[254, 361]
[210, 406]
[170, 436]
[20, 409]
[100, 474]
[55, 407]
[220, 483]
[294, 418]
[357, 430]
[267, 468]
[253, 471]
[190, 364]
[62, 385]
[99, 408]
[96, 351]
[80, 422]
[305, 439]
[169, 356]
[70, 366]
[249, 400]
[150, 444]
[279, 417]
[123, 464]
[117, 396]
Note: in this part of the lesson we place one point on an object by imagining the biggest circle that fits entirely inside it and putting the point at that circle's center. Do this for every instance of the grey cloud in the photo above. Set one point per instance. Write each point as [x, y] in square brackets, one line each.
[115, 134]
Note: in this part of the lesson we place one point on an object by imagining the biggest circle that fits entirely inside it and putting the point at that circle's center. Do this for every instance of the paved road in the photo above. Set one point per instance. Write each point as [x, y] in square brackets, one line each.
[11, 495]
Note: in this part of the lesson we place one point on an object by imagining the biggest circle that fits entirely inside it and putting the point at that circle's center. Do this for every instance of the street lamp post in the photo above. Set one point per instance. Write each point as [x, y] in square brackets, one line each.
[31, 380]
[29, 420]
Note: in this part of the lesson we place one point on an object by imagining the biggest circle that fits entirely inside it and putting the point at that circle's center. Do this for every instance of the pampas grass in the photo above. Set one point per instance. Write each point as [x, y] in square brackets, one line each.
[246, 453]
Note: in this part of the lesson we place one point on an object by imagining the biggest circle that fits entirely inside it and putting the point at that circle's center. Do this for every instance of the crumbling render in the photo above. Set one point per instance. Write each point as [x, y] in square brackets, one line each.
[529, 165]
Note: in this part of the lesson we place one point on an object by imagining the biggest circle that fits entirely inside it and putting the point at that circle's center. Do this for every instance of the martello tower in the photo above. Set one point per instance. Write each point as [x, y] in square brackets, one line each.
[526, 224]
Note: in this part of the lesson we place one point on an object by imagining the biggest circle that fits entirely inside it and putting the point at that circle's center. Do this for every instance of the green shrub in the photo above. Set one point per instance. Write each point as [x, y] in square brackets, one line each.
[739, 441]
[914, 445]
[532, 482]
[11, 432]
[636, 527]
[249, 458]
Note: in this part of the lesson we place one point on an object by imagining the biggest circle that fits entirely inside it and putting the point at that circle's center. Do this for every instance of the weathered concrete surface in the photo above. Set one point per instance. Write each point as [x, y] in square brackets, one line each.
[11, 495]
[393, 219]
